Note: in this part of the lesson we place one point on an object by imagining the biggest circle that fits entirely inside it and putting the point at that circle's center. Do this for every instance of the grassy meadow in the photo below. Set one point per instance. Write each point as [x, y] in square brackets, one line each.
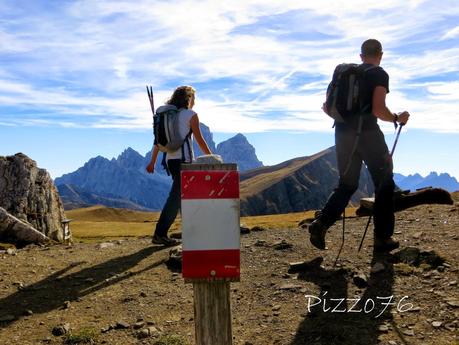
[98, 223]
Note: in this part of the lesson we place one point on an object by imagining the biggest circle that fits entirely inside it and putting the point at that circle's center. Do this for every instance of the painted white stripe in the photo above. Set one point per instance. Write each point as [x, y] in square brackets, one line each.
[210, 224]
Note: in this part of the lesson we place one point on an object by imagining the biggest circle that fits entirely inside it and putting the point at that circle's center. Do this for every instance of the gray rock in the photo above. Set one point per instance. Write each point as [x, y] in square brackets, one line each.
[15, 230]
[61, 329]
[437, 324]
[28, 193]
[122, 325]
[105, 245]
[360, 280]
[282, 245]
[139, 324]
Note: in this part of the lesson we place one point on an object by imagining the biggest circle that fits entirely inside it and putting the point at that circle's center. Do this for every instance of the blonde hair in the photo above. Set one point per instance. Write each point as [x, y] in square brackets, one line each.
[182, 96]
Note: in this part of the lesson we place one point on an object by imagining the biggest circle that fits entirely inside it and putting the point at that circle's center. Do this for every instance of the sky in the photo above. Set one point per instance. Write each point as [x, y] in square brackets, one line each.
[73, 74]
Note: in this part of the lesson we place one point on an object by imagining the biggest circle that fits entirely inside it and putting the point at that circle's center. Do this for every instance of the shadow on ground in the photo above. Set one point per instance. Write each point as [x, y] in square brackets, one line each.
[322, 326]
[51, 293]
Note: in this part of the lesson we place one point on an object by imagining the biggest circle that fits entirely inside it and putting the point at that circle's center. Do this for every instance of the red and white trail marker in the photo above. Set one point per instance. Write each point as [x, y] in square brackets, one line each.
[210, 224]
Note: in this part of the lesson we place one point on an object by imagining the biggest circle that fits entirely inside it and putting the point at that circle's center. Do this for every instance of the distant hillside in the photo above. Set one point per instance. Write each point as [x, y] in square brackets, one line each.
[416, 181]
[107, 214]
[75, 197]
[296, 185]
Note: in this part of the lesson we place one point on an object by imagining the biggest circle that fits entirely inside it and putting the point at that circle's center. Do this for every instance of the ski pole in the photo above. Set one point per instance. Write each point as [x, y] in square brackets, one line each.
[390, 155]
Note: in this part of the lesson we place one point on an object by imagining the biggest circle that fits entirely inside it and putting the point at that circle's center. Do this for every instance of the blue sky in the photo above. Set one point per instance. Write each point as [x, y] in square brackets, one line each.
[73, 74]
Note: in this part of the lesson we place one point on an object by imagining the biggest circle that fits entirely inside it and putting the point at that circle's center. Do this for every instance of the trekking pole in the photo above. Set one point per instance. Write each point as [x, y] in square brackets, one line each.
[390, 156]
[152, 104]
[342, 240]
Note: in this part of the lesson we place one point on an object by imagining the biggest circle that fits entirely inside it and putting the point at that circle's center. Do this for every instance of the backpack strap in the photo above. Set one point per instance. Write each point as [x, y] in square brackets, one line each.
[164, 164]
[365, 70]
[187, 142]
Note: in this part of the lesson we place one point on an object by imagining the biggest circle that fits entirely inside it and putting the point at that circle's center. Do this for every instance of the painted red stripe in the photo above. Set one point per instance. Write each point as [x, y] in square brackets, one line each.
[215, 184]
[201, 263]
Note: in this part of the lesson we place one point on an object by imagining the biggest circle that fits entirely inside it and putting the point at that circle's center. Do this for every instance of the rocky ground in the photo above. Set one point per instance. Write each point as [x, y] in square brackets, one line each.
[121, 292]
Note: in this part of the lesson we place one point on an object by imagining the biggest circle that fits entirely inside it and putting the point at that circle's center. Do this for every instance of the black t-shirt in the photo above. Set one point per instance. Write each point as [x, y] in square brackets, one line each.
[374, 76]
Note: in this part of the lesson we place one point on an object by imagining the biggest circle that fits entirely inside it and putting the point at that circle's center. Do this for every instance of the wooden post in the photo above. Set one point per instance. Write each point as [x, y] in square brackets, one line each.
[211, 246]
[212, 312]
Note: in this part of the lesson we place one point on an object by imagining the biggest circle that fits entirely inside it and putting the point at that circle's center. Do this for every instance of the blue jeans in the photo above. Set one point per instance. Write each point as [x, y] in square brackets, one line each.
[371, 149]
[172, 205]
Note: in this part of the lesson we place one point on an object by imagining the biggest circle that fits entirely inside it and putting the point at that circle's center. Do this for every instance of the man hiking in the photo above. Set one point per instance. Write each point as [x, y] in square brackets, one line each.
[358, 139]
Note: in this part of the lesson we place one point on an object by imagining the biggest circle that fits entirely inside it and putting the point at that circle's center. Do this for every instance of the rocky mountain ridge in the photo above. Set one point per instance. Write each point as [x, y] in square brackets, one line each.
[296, 185]
[434, 179]
[123, 181]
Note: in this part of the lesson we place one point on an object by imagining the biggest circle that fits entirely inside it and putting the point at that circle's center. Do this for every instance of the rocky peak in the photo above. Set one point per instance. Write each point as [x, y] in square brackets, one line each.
[130, 159]
[238, 149]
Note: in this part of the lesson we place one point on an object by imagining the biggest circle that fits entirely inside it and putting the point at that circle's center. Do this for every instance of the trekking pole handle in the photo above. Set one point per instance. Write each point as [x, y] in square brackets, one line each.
[396, 139]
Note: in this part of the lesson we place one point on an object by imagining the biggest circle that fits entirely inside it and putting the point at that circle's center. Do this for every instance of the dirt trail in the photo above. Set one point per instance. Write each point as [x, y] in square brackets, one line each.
[125, 285]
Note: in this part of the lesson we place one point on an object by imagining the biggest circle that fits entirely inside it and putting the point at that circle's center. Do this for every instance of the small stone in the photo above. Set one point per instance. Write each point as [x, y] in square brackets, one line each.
[11, 251]
[139, 325]
[66, 305]
[244, 230]
[408, 332]
[61, 330]
[360, 280]
[144, 333]
[276, 308]
[453, 303]
[105, 245]
[257, 228]
[441, 268]
[28, 312]
[290, 287]
[453, 282]
[383, 328]
[260, 243]
[437, 324]
[391, 342]
[417, 235]
[450, 326]
[143, 294]
[122, 325]
[282, 245]
[377, 267]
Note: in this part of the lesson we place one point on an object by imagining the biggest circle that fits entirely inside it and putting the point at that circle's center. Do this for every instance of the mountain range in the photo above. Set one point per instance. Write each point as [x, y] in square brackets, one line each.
[123, 181]
[295, 185]
[416, 181]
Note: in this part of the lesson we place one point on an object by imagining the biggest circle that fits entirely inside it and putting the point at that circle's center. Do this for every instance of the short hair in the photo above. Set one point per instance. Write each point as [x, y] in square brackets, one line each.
[371, 47]
[182, 96]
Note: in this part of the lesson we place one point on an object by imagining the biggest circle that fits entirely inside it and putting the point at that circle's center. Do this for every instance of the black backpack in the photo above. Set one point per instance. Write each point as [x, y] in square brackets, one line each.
[344, 96]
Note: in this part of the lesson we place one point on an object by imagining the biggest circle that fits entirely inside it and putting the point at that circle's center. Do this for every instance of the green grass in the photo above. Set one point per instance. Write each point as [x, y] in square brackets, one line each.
[83, 336]
[98, 223]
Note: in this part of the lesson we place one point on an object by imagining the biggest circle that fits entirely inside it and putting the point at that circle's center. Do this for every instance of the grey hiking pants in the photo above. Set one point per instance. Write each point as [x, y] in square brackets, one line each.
[371, 149]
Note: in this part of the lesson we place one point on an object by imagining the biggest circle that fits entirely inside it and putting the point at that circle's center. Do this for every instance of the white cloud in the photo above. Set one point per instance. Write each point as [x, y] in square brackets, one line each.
[93, 58]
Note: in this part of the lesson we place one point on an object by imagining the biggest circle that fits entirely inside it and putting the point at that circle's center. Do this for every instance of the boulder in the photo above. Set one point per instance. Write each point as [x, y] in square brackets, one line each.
[28, 194]
[14, 230]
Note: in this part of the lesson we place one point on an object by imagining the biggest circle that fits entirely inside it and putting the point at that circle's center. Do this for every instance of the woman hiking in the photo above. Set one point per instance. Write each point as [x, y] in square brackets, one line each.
[183, 98]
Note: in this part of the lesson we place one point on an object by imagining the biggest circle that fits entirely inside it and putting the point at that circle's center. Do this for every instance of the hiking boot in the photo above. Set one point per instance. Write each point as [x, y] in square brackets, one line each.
[317, 231]
[385, 245]
[164, 240]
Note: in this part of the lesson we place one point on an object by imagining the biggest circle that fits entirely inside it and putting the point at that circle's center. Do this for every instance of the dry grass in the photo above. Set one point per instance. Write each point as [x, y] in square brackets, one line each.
[100, 222]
